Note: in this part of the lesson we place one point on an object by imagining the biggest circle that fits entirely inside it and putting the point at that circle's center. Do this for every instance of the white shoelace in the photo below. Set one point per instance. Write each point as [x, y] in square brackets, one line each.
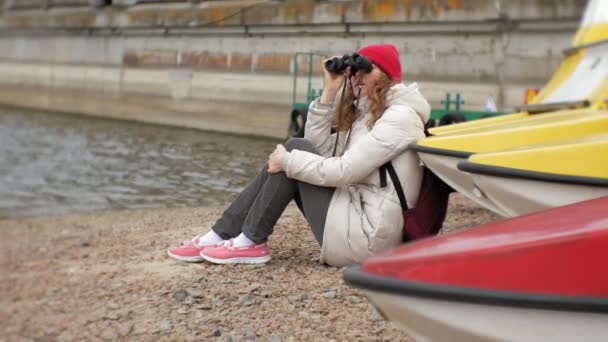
[226, 243]
[193, 240]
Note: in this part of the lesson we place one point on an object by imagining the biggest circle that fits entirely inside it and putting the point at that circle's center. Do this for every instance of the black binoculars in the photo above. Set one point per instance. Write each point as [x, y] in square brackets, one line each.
[355, 61]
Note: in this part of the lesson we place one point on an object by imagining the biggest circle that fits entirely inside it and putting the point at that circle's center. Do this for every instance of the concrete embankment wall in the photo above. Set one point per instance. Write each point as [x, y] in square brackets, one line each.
[238, 77]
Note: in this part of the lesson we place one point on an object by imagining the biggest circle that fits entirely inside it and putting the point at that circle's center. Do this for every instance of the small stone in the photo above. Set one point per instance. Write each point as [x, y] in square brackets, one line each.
[218, 302]
[230, 338]
[255, 286]
[329, 294]
[197, 294]
[354, 299]
[375, 316]
[113, 306]
[165, 325]
[125, 329]
[180, 295]
[216, 333]
[274, 338]
[250, 335]
[247, 300]
[65, 336]
[139, 329]
[204, 306]
[108, 334]
[298, 298]
[183, 310]
[293, 298]
[197, 278]
[125, 313]
[113, 316]
[213, 320]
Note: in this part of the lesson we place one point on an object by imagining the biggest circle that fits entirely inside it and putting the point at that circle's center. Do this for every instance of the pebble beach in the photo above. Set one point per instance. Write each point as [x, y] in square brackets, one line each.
[105, 276]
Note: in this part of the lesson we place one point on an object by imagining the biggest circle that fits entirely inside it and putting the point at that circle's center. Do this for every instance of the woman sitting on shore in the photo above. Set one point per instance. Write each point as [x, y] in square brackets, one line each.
[333, 177]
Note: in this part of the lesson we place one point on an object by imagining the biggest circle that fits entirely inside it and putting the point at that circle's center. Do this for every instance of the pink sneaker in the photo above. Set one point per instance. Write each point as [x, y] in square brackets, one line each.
[189, 251]
[225, 253]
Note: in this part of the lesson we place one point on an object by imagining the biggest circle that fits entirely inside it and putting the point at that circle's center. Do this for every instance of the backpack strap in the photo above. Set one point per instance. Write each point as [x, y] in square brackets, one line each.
[391, 171]
[382, 170]
[396, 183]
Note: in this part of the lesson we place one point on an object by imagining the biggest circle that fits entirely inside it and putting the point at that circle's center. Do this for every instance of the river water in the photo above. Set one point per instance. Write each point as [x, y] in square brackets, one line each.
[54, 164]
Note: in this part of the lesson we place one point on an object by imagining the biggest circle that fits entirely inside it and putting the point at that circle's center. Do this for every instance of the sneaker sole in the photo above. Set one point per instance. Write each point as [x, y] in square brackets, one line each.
[240, 260]
[185, 258]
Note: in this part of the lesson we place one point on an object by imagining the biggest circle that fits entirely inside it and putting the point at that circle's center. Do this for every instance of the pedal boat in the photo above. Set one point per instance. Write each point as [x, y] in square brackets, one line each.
[537, 277]
[547, 176]
[442, 154]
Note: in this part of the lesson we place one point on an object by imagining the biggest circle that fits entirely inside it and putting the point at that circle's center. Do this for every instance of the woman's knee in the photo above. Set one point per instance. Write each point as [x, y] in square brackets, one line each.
[299, 144]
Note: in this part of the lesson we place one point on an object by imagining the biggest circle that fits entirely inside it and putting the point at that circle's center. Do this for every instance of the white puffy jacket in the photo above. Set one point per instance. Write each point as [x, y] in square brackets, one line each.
[363, 218]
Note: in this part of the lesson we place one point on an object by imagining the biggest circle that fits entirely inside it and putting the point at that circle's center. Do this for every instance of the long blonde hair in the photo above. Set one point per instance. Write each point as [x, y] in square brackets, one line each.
[347, 113]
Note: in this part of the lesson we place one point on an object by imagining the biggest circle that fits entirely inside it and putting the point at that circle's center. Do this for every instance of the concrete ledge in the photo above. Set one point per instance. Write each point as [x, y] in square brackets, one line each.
[237, 117]
[569, 24]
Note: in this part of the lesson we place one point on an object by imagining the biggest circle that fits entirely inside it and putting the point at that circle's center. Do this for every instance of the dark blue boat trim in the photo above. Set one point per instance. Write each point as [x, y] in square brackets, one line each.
[551, 107]
[357, 278]
[440, 151]
[585, 46]
[500, 171]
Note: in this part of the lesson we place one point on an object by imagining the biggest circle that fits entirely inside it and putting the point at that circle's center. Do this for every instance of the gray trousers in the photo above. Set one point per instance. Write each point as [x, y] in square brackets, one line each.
[258, 207]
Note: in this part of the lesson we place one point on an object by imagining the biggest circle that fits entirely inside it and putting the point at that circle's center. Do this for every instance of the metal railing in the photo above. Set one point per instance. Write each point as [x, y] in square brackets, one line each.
[16, 5]
[361, 29]
[19, 5]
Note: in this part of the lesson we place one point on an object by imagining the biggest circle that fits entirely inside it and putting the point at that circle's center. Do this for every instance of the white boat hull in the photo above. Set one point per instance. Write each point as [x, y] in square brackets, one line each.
[445, 168]
[443, 320]
[518, 196]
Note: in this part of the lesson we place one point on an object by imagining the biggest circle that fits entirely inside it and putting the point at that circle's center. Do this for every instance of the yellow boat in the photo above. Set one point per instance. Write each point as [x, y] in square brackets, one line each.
[527, 180]
[442, 154]
[528, 120]
[580, 80]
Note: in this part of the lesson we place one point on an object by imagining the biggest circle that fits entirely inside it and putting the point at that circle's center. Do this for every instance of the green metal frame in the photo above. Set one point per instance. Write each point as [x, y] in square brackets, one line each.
[311, 94]
[437, 113]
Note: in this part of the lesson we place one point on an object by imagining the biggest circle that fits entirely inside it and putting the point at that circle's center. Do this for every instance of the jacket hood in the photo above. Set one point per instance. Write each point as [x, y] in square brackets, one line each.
[410, 96]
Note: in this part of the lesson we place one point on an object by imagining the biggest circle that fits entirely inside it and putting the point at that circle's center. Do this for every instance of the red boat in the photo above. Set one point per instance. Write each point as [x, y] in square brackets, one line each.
[539, 277]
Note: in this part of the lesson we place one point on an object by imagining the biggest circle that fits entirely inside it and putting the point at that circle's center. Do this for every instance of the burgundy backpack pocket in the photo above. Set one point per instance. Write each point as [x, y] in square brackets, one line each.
[426, 219]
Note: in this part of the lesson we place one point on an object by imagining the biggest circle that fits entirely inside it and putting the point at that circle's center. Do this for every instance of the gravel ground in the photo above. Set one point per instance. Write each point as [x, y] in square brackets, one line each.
[106, 276]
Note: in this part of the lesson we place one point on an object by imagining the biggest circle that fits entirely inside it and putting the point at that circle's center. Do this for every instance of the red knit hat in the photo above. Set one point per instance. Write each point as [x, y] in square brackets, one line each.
[386, 57]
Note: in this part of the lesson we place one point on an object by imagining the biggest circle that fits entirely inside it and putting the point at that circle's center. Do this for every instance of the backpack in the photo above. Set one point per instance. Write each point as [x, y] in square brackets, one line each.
[426, 219]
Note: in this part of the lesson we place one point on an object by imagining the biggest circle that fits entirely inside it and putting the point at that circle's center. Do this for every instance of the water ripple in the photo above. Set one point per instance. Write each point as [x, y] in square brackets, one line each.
[55, 164]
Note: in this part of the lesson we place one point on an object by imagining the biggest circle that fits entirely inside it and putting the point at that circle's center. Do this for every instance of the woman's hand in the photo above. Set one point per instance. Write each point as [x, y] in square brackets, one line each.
[333, 82]
[275, 159]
